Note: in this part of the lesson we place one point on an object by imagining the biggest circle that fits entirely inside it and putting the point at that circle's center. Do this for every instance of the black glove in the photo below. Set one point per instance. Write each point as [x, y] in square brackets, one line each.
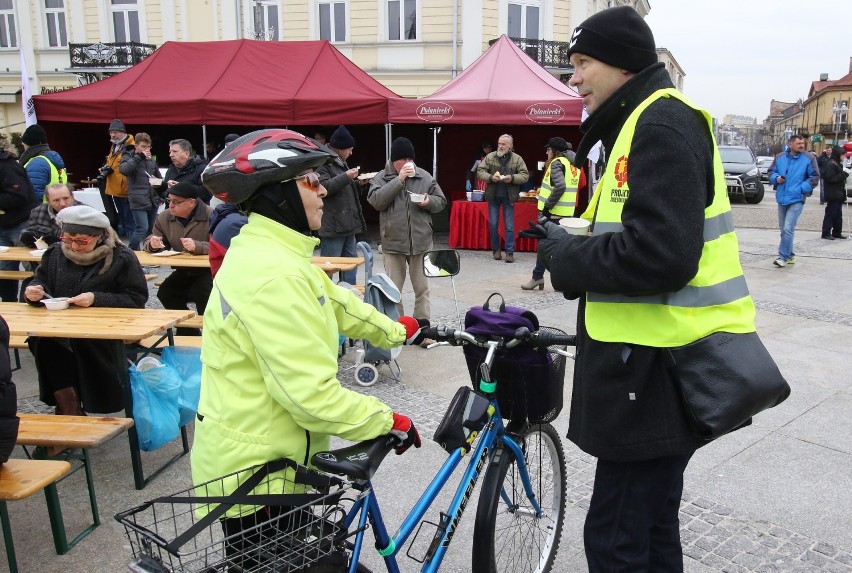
[413, 329]
[548, 235]
[545, 214]
[28, 239]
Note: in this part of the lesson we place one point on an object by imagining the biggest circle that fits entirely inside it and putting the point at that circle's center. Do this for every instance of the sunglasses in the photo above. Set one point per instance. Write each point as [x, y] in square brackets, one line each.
[82, 242]
[310, 179]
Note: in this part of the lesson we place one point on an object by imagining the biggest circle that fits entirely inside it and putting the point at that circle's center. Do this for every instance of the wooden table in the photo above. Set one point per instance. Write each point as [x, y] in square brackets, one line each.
[113, 324]
[20, 254]
[337, 264]
[183, 260]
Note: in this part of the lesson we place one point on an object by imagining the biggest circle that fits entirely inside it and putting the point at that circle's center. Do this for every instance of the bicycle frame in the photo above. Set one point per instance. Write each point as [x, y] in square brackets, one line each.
[367, 505]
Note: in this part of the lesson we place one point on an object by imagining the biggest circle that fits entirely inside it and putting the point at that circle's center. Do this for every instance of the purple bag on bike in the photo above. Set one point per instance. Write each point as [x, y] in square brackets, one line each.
[529, 380]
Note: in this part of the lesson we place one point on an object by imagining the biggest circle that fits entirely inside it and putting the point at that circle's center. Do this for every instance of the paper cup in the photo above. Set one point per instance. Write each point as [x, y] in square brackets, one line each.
[575, 225]
[541, 165]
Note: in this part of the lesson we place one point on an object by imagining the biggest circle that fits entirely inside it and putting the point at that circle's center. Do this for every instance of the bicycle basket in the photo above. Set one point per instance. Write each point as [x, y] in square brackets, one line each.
[276, 531]
[529, 381]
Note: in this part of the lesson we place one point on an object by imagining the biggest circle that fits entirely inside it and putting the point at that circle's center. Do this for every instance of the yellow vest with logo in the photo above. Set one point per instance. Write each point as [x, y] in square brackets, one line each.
[565, 206]
[56, 175]
[715, 300]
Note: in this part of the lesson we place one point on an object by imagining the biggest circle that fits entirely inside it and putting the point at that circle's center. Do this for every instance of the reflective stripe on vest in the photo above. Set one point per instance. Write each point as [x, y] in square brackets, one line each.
[565, 206]
[716, 299]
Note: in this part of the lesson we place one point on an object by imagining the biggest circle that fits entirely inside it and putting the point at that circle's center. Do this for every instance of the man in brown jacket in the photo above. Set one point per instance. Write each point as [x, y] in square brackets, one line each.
[115, 184]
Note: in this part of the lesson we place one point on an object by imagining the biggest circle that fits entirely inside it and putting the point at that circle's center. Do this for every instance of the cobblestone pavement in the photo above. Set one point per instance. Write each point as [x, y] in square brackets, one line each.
[713, 534]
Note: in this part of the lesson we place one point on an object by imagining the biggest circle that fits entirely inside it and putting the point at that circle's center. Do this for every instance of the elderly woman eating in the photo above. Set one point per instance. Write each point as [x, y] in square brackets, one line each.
[91, 267]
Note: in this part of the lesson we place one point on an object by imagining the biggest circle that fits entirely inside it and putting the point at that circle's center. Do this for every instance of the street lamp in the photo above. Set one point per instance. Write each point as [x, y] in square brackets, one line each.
[838, 110]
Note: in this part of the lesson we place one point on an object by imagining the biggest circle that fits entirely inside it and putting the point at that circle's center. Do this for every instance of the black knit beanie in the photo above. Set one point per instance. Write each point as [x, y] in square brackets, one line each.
[34, 135]
[402, 148]
[618, 37]
[341, 138]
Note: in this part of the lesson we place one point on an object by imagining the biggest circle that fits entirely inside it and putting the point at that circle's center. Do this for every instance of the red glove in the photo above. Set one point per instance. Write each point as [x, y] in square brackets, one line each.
[413, 328]
[403, 429]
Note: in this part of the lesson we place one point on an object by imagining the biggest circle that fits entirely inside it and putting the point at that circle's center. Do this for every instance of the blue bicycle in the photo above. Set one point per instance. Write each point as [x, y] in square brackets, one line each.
[520, 509]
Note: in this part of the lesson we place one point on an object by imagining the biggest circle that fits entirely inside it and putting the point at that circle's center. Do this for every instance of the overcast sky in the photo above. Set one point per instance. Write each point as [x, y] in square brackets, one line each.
[740, 54]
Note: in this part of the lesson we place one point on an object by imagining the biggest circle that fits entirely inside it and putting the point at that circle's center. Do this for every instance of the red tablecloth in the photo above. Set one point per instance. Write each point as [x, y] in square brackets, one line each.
[469, 225]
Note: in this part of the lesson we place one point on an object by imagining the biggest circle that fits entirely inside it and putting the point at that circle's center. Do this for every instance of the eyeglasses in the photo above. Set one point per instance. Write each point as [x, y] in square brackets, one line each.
[310, 179]
[82, 242]
[178, 202]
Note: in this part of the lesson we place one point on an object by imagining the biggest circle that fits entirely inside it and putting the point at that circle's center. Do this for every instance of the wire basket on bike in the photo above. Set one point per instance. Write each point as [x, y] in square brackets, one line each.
[191, 531]
[529, 381]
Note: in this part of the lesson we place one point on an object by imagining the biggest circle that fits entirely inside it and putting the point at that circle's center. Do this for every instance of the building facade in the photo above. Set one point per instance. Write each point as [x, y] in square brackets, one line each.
[826, 111]
[411, 46]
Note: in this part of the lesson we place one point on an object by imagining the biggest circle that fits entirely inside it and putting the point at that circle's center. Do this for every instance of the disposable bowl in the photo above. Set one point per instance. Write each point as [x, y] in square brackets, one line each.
[60, 303]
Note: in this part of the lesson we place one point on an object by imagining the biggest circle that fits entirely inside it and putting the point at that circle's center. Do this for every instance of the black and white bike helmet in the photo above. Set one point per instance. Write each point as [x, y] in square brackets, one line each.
[260, 158]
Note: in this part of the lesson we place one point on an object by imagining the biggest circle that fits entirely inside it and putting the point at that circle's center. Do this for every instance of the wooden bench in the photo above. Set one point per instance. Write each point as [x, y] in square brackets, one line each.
[20, 479]
[196, 321]
[15, 275]
[48, 433]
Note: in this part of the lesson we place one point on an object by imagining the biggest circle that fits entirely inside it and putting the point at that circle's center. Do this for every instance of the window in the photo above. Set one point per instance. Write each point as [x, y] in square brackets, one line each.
[524, 20]
[332, 21]
[125, 20]
[54, 12]
[8, 38]
[266, 20]
[402, 19]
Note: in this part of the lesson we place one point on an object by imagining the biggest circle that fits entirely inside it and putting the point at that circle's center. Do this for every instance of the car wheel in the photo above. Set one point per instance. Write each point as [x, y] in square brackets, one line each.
[757, 197]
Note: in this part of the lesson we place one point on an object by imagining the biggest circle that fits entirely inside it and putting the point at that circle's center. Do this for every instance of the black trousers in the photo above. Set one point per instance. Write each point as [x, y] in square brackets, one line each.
[832, 223]
[184, 286]
[632, 525]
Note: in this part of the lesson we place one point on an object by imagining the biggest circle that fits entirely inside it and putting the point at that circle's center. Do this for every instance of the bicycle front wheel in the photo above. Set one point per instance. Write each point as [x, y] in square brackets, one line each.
[508, 536]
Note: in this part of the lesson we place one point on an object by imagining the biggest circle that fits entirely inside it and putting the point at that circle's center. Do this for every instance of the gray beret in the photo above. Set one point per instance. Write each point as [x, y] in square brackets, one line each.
[82, 219]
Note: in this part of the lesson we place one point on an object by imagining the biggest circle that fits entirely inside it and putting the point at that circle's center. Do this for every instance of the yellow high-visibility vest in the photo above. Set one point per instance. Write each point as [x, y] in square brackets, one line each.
[716, 299]
[56, 175]
[565, 206]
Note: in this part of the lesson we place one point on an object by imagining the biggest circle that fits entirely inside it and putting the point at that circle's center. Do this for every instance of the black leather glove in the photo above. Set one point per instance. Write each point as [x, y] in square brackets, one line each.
[28, 239]
[548, 235]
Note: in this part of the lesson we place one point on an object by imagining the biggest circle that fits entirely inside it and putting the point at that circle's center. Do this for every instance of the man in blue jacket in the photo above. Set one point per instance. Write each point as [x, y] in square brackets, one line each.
[794, 175]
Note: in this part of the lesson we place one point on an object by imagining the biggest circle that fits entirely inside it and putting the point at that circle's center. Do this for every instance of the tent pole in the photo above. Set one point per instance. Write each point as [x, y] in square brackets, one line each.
[435, 132]
[388, 139]
[204, 139]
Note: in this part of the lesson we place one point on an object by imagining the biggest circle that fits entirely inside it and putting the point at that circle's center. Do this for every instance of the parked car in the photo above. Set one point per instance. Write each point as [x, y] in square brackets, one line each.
[764, 162]
[742, 175]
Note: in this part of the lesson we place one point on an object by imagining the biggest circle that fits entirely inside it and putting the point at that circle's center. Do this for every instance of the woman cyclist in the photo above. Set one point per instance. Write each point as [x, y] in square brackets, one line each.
[269, 381]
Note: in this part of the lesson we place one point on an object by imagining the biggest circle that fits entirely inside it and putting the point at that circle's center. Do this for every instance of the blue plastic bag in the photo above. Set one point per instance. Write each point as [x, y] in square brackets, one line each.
[187, 361]
[155, 389]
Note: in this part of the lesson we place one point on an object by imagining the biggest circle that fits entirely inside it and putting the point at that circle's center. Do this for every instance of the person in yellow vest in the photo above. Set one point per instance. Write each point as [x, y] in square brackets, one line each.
[557, 195]
[115, 183]
[43, 165]
[659, 269]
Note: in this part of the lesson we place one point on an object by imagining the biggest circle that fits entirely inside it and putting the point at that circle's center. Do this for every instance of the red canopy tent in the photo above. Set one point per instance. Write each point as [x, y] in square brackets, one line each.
[235, 82]
[503, 86]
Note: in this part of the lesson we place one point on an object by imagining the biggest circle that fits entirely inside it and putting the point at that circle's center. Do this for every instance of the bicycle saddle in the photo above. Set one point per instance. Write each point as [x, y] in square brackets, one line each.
[359, 461]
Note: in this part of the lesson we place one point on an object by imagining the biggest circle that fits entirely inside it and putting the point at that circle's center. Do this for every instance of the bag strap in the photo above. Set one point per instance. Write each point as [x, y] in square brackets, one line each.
[488, 300]
[240, 496]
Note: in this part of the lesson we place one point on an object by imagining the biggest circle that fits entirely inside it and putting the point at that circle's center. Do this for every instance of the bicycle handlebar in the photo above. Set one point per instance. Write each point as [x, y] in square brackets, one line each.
[539, 339]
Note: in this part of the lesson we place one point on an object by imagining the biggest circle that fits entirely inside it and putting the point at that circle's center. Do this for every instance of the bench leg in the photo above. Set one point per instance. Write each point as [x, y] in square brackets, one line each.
[7, 537]
[57, 525]
[17, 357]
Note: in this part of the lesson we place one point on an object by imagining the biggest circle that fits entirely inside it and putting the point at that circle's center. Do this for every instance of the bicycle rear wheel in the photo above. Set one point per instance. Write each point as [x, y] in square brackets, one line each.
[508, 536]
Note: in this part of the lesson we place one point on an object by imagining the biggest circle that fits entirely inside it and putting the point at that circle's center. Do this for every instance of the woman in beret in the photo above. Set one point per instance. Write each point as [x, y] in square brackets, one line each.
[93, 268]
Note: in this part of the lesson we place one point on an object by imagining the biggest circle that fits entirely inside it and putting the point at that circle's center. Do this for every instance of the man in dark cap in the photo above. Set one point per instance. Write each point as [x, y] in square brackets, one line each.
[43, 165]
[184, 226]
[114, 188]
[342, 216]
[405, 197]
[661, 232]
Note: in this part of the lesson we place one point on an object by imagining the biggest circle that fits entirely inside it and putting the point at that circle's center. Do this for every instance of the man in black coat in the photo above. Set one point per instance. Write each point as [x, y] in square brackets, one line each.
[186, 166]
[647, 239]
[8, 398]
[17, 199]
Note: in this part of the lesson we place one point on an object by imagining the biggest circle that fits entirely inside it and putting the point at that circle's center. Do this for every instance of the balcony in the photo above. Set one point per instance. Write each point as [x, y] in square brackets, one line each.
[832, 128]
[108, 57]
[547, 53]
